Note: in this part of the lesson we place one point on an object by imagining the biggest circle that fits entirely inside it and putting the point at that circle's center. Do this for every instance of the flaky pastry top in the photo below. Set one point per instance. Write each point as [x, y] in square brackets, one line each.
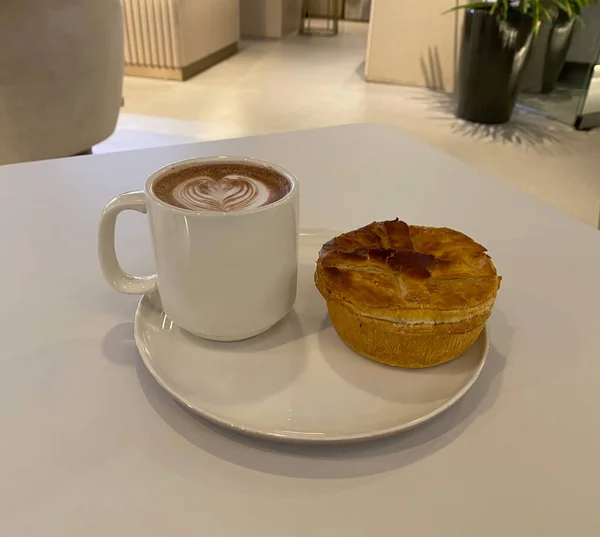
[403, 273]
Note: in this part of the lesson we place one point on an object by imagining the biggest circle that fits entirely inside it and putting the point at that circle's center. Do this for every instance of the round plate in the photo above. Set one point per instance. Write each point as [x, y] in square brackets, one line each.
[298, 382]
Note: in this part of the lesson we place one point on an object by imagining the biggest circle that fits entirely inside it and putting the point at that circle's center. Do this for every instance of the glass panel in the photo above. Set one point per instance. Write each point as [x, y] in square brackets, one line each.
[561, 65]
[591, 103]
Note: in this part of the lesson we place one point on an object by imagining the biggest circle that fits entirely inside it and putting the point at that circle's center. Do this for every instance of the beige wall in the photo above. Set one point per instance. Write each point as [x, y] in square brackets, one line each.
[260, 18]
[206, 27]
[269, 18]
[413, 43]
[290, 16]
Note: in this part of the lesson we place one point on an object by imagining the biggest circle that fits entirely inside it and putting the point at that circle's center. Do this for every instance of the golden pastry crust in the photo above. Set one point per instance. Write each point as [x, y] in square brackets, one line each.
[397, 281]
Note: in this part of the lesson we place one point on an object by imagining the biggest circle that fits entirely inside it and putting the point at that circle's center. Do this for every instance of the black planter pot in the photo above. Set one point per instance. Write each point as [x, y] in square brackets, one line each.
[558, 46]
[548, 54]
[492, 57]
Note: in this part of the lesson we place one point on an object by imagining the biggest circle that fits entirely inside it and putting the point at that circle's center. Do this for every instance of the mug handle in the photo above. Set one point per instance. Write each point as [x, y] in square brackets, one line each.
[112, 271]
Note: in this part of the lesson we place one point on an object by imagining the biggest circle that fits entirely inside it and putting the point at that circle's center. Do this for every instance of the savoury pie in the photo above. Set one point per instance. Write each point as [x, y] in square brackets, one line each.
[407, 296]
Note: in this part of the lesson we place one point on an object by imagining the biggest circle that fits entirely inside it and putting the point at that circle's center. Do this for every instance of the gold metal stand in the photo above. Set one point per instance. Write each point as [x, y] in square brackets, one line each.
[331, 15]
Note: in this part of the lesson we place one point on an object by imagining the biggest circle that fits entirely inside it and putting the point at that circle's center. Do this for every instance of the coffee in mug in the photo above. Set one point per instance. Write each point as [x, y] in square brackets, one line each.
[225, 238]
[222, 187]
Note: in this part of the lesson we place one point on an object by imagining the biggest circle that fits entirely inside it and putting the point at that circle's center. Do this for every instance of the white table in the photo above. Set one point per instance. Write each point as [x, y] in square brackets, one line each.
[90, 446]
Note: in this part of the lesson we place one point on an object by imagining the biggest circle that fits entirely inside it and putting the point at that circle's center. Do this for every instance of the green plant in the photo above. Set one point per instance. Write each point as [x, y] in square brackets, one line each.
[572, 8]
[539, 10]
[505, 8]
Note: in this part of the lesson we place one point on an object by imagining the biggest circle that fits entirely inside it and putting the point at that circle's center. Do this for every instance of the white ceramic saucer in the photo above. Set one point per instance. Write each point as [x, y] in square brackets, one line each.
[298, 382]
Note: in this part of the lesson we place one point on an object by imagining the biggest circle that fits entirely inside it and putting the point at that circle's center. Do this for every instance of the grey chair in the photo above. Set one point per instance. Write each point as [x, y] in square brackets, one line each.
[61, 76]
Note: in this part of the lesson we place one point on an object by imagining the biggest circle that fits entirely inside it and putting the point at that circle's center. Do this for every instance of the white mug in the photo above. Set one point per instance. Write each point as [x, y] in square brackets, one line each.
[221, 276]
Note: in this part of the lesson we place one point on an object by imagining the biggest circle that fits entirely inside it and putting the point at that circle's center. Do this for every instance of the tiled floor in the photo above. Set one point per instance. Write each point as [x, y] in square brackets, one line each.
[305, 82]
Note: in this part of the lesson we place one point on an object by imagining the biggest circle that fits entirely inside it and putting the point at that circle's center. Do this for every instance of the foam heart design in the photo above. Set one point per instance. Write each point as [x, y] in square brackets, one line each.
[230, 193]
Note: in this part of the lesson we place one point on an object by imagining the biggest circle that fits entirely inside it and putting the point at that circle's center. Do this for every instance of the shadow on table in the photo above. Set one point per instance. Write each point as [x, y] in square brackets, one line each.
[118, 345]
[342, 461]
[526, 127]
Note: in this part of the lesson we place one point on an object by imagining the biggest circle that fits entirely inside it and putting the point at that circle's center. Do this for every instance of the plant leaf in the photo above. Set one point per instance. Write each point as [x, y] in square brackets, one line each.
[475, 5]
[536, 16]
[545, 13]
[579, 5]
[565, 6]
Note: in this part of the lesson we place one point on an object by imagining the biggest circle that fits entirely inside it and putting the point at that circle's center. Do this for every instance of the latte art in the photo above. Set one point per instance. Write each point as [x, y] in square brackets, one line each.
[231, 193]
[222, 187]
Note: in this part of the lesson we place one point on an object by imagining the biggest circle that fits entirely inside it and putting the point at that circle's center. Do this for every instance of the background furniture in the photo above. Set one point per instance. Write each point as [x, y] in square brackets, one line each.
[177, 39]
[61, 74]
[357, 10]
[328, 12]
[269, 18]
[91, 446]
